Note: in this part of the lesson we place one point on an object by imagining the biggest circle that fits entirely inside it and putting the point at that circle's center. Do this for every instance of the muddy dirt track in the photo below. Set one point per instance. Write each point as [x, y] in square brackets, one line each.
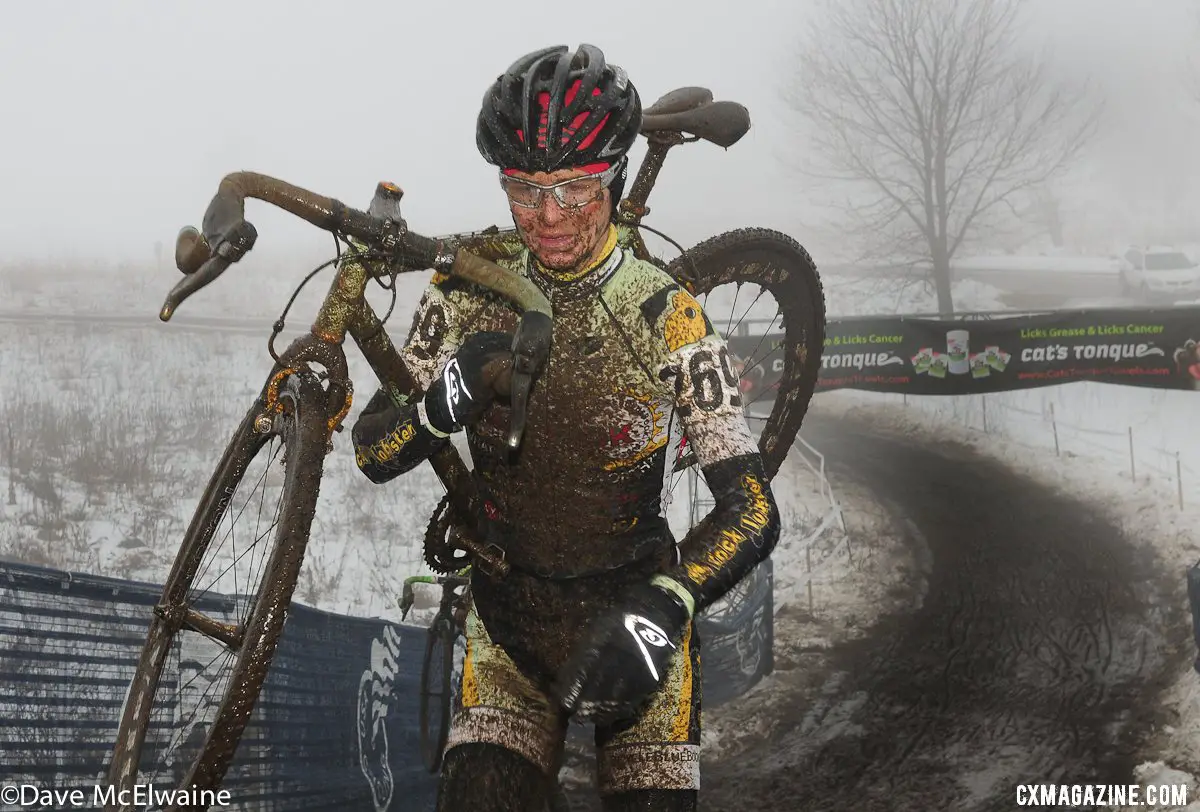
[1036, 655]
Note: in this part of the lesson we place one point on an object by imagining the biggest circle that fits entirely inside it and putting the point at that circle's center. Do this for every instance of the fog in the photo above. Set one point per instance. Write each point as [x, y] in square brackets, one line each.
[121, 117]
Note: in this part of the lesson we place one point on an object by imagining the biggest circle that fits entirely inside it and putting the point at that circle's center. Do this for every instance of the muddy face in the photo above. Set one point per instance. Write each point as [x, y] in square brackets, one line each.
[562, 239]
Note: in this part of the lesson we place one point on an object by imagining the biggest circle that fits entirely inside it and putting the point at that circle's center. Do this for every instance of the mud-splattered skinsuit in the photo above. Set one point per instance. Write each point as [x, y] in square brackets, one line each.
[634, 363]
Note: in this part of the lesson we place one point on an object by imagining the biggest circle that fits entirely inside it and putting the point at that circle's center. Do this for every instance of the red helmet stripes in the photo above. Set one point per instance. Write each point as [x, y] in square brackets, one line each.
[543, 99]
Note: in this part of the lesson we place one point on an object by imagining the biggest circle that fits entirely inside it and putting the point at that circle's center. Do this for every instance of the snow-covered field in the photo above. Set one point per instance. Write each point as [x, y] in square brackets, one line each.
[109, 437]
[259, 285]
[1044, 263]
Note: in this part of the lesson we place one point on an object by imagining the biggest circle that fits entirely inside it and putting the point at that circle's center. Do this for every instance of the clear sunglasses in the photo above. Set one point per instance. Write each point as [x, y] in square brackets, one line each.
[574, 193]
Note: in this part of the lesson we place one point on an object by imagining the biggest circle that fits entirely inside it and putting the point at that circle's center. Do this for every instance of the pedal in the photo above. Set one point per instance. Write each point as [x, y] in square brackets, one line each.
[491, 563]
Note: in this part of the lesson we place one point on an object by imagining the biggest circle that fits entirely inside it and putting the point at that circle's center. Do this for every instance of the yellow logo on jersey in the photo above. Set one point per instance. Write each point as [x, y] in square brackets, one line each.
[685, 323]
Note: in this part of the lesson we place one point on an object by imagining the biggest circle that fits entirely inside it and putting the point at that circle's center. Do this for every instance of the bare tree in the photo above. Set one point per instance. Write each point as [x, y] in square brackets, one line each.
[1045, 212]
[938, 117]
[1192, 72]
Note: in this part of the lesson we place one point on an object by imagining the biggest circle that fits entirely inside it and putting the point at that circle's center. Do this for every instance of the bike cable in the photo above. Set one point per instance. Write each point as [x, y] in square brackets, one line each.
[278, 326]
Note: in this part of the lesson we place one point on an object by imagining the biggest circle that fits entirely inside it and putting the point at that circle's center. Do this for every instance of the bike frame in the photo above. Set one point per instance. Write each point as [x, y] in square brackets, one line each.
[346, 312]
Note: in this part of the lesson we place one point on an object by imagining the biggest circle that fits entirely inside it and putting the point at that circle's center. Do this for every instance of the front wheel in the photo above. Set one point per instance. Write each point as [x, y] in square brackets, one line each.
[437, 673]
[223, 608]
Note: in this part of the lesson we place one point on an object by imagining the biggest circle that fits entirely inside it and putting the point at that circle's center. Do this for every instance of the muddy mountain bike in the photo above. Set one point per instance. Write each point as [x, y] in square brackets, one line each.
[280, 445]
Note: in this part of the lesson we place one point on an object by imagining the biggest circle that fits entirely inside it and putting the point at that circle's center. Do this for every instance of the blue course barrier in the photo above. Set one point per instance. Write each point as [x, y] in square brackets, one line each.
[334, 728]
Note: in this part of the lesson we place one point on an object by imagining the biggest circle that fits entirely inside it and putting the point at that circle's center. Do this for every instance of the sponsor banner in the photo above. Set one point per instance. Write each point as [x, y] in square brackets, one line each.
[1152, 348]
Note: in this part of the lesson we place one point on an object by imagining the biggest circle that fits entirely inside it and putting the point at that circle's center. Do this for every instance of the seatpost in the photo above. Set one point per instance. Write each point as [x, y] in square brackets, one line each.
[633, 208]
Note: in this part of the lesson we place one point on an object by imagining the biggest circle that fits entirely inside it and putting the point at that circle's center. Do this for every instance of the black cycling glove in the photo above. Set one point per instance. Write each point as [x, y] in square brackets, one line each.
[467, 384]
[624, 657]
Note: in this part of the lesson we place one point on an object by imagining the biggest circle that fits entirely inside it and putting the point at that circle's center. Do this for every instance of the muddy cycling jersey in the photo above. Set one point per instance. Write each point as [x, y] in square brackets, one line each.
[636, 376]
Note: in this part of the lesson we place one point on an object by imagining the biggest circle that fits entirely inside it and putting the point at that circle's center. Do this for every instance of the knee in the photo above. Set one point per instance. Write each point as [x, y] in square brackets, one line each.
[484, 758]
[482, 776]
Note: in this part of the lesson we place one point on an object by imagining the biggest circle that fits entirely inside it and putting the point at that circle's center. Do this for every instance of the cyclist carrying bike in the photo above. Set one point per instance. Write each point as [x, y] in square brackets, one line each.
[594, 619]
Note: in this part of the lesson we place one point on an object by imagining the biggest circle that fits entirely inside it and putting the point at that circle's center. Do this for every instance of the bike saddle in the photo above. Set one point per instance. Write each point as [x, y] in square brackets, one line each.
[679, 100]
[691, 110]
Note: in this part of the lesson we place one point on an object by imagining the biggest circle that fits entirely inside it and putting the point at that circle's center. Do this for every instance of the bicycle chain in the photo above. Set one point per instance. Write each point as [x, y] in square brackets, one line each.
[440, 554]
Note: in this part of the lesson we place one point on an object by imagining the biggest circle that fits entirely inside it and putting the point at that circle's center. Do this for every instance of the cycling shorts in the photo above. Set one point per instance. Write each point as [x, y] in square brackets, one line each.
[498, 704]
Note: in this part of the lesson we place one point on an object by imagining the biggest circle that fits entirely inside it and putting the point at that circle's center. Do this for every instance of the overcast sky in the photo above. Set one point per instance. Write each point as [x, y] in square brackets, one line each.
[121, 117]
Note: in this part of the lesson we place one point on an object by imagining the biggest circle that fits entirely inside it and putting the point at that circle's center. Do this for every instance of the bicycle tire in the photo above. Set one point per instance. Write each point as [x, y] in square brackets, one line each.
[776, 262]
[304, 433]
[439, 651]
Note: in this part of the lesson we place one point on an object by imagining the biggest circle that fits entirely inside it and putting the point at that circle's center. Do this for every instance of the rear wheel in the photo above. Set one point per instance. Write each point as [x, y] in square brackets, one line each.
[761, 291]
[213, 634]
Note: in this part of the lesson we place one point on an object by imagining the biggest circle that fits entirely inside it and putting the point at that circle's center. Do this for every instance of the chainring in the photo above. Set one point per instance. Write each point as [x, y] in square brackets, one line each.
[440, 553]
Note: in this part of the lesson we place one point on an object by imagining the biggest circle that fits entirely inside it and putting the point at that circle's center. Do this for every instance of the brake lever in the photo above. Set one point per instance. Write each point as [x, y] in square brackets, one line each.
[531, 348]
[201, 263]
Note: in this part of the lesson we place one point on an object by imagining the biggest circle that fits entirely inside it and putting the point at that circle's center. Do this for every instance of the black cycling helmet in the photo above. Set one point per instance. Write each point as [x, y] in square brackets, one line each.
[584, 112]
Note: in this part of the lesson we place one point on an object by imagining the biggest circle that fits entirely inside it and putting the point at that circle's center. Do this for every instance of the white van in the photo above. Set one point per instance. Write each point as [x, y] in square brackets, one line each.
[1159, 273]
